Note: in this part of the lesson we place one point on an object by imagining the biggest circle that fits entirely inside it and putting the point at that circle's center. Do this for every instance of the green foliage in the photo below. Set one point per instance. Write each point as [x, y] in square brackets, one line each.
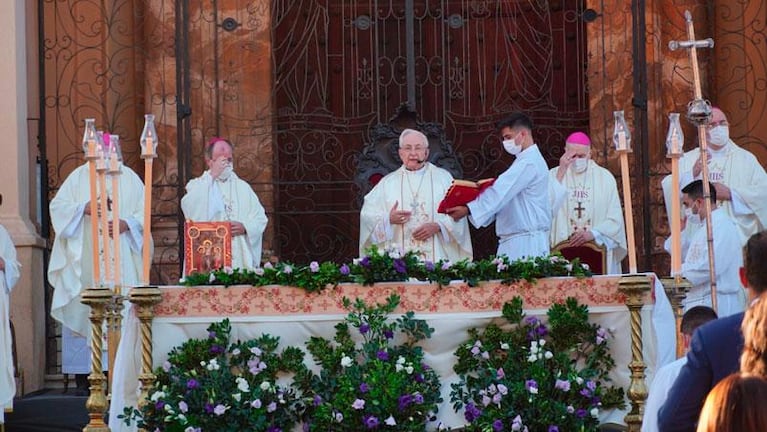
[210, 384]
[535, 376]
[367, 381]
[392, 266]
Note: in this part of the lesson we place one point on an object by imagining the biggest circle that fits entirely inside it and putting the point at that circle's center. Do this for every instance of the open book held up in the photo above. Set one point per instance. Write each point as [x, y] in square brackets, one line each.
[462, 192]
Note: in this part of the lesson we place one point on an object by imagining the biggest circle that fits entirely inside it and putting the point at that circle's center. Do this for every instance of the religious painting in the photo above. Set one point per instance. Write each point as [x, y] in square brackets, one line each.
[208, 246]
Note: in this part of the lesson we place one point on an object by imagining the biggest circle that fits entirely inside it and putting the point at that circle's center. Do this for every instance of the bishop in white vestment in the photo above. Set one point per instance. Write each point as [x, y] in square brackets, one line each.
[70, 269]
[401, 210]
[740, 180]
[591, 210]
[9, 275]
[219, 195]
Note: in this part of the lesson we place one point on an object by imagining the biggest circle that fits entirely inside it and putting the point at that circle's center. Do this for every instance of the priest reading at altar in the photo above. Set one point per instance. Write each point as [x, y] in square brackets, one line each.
[220, 195]
[591, 208]
[70, 270]
[9, 275]
[740, 181]
[401, 210]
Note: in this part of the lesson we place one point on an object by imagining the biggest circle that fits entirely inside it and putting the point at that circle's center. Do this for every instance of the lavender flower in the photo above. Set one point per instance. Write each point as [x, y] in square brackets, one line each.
[365, 262]
[317, 400]
[219, 410]
[446, 265]
[287, 269]
[498, 425]
[272, 407]
[428, 265]
[159, 405]
[358, 404]
[364, 388]
[531, 386]
[418, 398]
[563, 385]
[399, 266]
[192, 384]
[364, 328]
[314, 266]
[345, 270]
[371, 421]
[553, 428]
[471, 412]
[211, 335]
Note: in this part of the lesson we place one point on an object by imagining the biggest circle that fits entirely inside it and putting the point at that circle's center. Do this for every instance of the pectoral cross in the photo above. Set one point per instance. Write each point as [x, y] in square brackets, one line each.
[580, 209]
[414, 205]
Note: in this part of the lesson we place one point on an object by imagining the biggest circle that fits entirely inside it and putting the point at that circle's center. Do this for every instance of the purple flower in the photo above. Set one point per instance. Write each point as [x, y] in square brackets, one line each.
[388, 334]
[446, 265]
[563, 385]
[553, 428]
[216, 349]
[159, 405]
[208, 408]
[542, 330]
[591, 385]
[273, 428]
[314, 266]
[365, 261]
[219, 410]
[382, 355]
[211, 335]
[358, 404]
[192, 384]
[364, 328]
[317, 400]
[418, 378]
[345, 270]
[418, 398]
[581, 413]
[530, 385]
[364, 388]
[399, 266]
[585, 392]
[370, 421]
[498, 425]
[429, 265]
[404, 401]
[532, 321]
[471, 412]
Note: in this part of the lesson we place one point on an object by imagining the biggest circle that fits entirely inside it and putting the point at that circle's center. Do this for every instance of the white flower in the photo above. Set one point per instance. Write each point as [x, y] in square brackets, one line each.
[542, 342]
[548, 355]
[569, 268]
[236, 351]
[398, 367]
[237, 396]
[182, 418]
[586, 266]
[504, 346]
[390, 421]
[409, 370]
[242, 385]
[157, 396]
[265, 385]
[259, 271]
[570, 409]
[579, 380]
[268, 265]
[183, 407]
[595, 412]
[256, 351]
[212, 278]
[400, 360]
[182, 281]
[346, 361]
[213, 365]
[189, 429]
[339, 417]
[220, 410]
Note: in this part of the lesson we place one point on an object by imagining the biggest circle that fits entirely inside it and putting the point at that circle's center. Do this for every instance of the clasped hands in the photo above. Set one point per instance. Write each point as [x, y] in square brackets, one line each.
[401, 217]
[579, 238]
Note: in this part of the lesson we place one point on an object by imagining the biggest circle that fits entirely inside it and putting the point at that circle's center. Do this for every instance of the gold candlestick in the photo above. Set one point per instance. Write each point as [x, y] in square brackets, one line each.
[96, 299]
[676, 288]
[144, 298]
[635, 287]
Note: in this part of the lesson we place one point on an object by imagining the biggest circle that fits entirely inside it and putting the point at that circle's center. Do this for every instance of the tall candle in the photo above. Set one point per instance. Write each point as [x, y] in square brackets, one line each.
[89, 147]
[103, 215]
[114, 171]
[674, 140]
[628, 211]
[148, 153]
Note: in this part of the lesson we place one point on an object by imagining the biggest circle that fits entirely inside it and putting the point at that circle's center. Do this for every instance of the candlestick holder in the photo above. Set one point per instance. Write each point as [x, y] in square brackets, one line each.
[676, 288]
[144, 298]
[636, 287]
[96, 298]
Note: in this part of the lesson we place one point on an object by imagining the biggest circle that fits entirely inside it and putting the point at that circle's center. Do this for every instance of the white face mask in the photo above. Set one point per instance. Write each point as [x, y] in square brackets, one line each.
[580, 164]
[512, 147]
[226, 173]
[720, 135]
[692, 218]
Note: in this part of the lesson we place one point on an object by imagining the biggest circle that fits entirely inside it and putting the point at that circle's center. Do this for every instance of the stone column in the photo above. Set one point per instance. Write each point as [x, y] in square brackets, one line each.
[17, 182]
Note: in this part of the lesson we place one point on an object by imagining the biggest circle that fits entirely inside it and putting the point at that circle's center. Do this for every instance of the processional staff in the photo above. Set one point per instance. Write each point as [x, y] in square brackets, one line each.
[699, 114]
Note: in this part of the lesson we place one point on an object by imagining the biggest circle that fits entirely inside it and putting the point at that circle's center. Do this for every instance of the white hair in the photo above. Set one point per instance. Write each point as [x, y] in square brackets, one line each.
[407, 132]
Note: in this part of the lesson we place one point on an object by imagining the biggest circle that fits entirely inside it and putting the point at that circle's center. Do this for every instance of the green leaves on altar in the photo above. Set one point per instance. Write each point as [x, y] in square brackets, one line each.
[392, 265]
[531, 375]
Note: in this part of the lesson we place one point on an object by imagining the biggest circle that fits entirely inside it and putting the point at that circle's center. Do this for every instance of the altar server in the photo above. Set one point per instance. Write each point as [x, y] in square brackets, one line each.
[9, 275]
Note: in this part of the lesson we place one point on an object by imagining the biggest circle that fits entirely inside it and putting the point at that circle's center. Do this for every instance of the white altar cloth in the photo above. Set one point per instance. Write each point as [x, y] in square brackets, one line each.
[295, 316]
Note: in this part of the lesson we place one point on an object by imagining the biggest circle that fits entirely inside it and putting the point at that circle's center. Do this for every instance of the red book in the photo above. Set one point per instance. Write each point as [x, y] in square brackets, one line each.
[462, 192]
[207, 246]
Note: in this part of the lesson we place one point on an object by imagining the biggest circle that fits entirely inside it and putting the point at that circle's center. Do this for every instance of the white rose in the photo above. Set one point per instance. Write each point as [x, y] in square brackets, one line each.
[346, 361]
[265, 385]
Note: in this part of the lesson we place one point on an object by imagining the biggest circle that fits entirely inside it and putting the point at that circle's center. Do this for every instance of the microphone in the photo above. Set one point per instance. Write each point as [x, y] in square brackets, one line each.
[420, 161]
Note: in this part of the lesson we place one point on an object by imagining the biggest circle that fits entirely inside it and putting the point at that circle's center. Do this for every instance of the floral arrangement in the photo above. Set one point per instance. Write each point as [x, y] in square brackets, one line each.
[536, 376]
[212, 385]
[374, 384]
[390, 266]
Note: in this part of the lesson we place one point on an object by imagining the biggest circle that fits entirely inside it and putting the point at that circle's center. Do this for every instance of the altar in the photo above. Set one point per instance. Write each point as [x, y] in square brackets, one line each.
[294, 316]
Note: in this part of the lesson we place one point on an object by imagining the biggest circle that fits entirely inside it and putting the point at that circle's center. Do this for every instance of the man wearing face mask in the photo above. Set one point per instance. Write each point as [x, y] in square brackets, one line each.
[739, 179]
[219, 195]
[401, 209]
[592, 209]
[727, 254]
[518, 201]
